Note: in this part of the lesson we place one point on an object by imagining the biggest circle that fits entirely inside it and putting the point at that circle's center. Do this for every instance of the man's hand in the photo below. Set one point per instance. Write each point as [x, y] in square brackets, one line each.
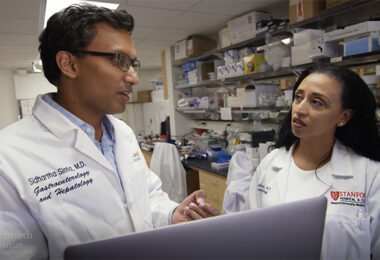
[194, 207]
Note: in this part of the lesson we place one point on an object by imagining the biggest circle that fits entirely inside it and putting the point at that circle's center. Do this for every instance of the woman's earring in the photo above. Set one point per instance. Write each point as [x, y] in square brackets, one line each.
[340, 124]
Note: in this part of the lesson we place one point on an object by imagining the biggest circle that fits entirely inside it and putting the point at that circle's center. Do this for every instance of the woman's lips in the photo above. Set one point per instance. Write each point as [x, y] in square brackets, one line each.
[298, 123]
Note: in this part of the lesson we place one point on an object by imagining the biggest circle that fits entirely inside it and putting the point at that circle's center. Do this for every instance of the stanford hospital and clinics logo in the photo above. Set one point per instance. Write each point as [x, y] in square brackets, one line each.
[348, 198]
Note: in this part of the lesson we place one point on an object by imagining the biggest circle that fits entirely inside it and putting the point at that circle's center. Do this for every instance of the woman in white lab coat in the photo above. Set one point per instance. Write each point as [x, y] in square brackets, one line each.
[329, 145]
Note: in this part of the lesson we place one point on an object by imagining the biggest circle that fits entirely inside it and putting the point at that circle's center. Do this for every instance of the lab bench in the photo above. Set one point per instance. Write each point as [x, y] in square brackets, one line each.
[212, 181]
[200, 175]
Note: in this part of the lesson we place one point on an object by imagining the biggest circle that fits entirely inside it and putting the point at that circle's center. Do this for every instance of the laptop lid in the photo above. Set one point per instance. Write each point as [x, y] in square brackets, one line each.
[291, 230]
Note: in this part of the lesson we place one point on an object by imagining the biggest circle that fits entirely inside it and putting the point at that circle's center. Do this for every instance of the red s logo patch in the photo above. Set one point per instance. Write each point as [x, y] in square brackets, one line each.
[334, 194]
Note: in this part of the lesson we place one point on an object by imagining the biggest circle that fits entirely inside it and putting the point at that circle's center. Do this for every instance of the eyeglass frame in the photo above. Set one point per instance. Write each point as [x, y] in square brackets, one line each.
[135, 63]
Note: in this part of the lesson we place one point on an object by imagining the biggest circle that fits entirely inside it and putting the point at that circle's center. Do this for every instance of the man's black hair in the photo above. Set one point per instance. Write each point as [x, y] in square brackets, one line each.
[73, 29]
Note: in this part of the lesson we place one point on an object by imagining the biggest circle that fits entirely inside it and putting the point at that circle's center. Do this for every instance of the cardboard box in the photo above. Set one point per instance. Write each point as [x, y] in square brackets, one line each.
[300, 10]
[180, 50]
[196, 45]
[333, 3]
[252, 63]
[204, 69]
[224, 38]
[144, 96]
[199, 72]
[244, 27]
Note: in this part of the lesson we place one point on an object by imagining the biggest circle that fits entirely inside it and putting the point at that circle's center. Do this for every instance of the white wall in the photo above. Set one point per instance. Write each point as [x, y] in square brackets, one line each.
[29, 86]
[179, 123]
[8, 103]
[134, 114]
[14, 86]
[145, 76]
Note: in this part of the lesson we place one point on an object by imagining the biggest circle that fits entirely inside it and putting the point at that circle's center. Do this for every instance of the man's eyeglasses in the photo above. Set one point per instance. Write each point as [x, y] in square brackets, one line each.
[123, 61]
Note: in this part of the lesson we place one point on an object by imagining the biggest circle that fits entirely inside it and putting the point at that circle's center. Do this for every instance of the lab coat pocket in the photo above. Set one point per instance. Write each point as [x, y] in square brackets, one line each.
[347, 236]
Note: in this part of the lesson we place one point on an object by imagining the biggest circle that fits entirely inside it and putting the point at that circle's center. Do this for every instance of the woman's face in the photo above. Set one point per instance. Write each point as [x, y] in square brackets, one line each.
[317, 108]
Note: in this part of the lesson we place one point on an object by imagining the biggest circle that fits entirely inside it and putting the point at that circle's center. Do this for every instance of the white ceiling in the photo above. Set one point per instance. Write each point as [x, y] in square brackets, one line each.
[158, 24]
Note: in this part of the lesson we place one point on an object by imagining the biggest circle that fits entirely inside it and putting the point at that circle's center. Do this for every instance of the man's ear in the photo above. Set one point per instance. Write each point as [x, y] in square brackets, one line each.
[66, 62]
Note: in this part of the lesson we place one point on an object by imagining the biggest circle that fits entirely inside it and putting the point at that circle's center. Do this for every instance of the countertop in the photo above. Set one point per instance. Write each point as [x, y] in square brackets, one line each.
[204, 164]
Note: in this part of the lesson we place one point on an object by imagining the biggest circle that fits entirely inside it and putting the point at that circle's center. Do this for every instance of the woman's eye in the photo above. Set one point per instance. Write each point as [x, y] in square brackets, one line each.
[298, 97]
[317, 102]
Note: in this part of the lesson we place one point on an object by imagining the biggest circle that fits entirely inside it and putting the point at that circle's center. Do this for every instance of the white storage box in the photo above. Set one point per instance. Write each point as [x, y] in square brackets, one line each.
[320, 49]
[235, 101]
[307, 36]
[250, 98]
[244, 27]
[157, 95]
[301, 54]
[180, 50]
[224, 38]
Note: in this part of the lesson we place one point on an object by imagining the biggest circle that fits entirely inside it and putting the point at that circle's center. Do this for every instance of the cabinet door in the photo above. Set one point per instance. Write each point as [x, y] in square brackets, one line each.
[214, 185]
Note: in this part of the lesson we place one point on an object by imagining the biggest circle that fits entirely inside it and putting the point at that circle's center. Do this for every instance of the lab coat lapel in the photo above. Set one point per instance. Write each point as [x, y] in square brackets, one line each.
[86, 146]
[131, 176]
[280, 168]
[66, 130]
[123, 155]
[338, 168]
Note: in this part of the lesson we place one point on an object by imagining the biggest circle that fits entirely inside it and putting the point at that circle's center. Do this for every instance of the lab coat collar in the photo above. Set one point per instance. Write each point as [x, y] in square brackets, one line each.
[63, 128]
[339, 165]
[340, 162]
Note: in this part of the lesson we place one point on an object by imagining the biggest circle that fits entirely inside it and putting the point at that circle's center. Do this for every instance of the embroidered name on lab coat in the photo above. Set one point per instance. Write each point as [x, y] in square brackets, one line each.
[60, 181]
[348, 198]
[263, 188]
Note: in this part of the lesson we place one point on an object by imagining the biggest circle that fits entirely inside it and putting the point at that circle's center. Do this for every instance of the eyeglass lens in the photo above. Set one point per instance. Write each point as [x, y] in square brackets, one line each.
[125, 63]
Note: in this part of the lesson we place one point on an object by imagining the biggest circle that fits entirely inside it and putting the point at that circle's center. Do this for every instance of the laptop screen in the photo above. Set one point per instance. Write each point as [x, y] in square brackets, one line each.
[291, 230]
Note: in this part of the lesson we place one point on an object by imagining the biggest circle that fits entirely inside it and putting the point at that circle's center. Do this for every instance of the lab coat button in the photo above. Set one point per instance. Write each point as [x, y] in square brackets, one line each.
[88, 130]
[125, 205]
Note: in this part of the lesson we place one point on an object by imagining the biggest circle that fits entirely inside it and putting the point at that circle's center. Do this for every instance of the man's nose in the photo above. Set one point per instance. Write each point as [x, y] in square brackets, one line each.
[131, 76]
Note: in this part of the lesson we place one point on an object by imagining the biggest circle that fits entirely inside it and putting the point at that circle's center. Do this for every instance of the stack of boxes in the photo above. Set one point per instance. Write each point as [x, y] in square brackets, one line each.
[300, 10]
[196, 71]
[238, 62]
[244, 27]
[191, 46]
[301, 50]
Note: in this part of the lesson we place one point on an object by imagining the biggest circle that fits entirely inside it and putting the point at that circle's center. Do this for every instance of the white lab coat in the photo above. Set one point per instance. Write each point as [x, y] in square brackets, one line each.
[239, 177]
[167, 165]
[352, 227]
[48, 151]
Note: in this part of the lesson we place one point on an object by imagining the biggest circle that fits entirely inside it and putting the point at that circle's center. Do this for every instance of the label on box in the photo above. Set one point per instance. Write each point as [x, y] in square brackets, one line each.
[225, 113]
[299, 10]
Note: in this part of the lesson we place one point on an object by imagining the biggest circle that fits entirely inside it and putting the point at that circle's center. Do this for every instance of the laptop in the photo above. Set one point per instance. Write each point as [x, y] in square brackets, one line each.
[292, 230]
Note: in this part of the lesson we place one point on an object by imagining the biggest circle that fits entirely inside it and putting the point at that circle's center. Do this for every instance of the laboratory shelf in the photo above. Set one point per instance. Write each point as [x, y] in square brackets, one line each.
[283, 72]
[365, 10]
[204, 83]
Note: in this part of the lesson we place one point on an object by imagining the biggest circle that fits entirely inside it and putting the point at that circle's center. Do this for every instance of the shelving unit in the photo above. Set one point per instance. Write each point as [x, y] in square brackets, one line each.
[365, 10]
[358, 11]
[205, 83]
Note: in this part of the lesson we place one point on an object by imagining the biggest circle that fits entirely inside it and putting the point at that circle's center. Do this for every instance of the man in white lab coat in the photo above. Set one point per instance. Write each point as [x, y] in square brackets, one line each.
[71, 173]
